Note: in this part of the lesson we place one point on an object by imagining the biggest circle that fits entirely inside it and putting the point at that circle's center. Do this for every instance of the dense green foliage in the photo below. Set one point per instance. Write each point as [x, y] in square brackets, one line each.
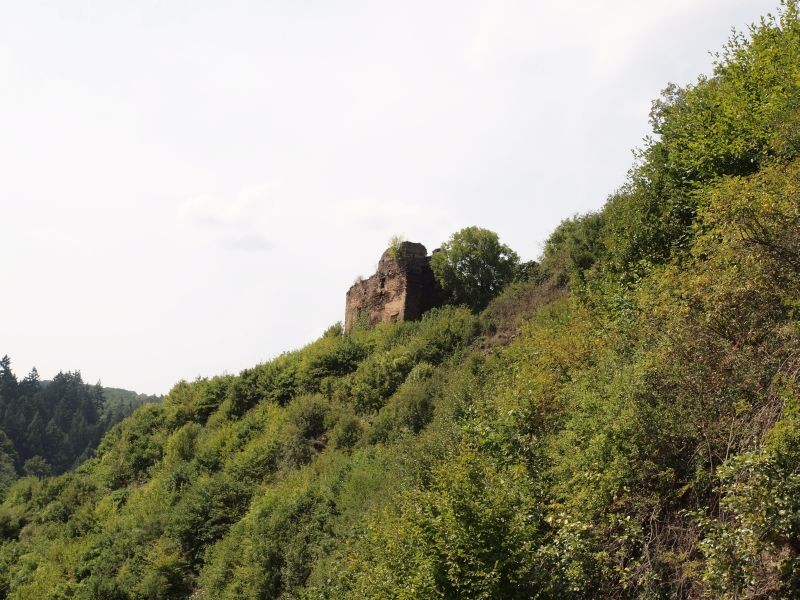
[49, 427]
[119, 403]
[626, 423]
[473, 266]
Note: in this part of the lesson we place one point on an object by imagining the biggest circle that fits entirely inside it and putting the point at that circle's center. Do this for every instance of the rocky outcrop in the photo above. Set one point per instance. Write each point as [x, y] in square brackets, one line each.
[402, 289]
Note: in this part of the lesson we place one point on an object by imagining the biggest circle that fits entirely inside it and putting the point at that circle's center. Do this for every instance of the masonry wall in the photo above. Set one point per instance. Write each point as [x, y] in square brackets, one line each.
[402, 289]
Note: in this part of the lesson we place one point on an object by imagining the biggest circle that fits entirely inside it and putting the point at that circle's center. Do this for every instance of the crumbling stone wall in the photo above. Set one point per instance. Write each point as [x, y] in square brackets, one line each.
[402, 290]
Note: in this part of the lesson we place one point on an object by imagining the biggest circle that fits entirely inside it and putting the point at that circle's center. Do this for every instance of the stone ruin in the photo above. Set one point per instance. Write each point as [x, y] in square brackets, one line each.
[402, 290]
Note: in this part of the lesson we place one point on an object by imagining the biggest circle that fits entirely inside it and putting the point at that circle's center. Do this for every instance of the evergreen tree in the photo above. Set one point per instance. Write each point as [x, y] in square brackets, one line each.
[8, 381]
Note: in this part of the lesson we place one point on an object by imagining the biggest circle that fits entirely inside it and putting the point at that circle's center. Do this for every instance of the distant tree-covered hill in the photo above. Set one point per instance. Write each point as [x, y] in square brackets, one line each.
[621, 420]
[119, 403]
[48, 427]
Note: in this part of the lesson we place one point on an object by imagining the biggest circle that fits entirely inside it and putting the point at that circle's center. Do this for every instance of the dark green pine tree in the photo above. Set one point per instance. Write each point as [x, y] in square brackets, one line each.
[34, 437]
[8, 381]
[31, 384]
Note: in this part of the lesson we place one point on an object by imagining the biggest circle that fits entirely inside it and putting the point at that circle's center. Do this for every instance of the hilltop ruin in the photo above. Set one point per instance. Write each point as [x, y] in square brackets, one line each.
[402, 289]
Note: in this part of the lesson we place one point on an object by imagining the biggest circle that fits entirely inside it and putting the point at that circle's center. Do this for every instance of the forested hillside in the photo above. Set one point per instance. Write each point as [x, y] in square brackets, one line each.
[623, 420]
[48, 427]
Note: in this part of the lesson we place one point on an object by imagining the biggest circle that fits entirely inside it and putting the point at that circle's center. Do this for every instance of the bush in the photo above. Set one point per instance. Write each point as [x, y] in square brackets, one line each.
[572, 249]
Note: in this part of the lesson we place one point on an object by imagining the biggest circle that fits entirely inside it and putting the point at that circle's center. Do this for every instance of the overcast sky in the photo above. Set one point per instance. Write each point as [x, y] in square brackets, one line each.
[189, 188]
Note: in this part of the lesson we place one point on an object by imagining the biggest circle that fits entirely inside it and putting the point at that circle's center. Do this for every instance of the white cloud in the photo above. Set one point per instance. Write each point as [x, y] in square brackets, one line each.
[217, 212]
[241, 223]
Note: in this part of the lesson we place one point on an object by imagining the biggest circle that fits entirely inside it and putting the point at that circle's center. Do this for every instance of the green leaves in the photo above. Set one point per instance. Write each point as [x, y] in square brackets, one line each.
[473, 266]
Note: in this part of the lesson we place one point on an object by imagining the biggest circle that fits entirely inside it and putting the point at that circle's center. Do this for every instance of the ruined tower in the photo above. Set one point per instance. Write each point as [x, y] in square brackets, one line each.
[402, 289]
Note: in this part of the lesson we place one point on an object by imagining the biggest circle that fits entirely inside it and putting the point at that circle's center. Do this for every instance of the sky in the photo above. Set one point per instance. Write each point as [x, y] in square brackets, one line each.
[189, 188]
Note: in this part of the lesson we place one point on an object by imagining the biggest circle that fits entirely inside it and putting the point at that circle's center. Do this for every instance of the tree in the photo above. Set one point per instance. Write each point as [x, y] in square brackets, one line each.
[574, 248]
[8, 382]
[31, 384]
[473, 266]
[36, 466]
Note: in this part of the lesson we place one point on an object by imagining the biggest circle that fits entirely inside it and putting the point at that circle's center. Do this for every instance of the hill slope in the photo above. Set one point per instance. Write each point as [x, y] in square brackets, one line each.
[625, 424]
